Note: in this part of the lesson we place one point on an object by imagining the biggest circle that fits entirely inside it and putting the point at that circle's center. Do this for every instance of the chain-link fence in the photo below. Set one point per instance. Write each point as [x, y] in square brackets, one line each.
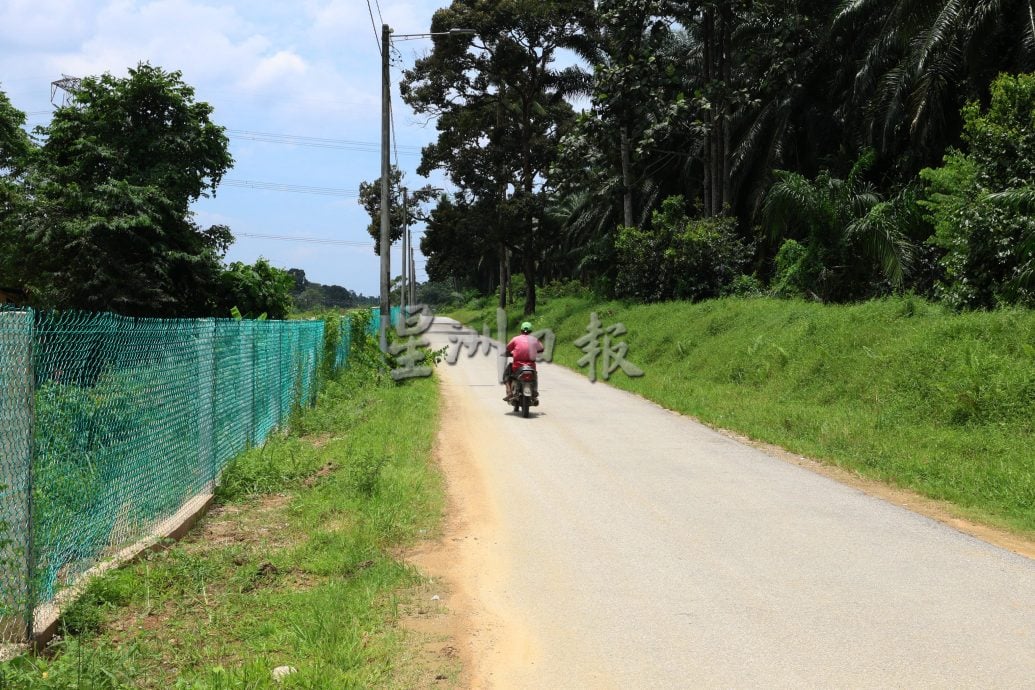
[108, 425]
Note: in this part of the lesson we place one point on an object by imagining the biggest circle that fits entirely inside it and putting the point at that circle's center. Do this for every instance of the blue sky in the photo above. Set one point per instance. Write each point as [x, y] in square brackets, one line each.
[307, 68]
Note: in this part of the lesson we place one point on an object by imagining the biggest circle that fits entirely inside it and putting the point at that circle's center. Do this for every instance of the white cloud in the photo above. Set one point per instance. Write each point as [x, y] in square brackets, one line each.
[348, 23]
[206, 43]
[303, 66]
[274, 71]
[308, 67]
[43, 24]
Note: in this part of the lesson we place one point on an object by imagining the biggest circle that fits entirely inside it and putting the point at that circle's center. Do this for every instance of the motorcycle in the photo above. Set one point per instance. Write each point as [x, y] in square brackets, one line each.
[525, 390]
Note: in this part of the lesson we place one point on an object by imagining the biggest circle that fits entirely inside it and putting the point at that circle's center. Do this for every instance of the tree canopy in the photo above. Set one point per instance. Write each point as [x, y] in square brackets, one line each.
[501, 109]
[804, 122]
[110, 227]
[95, 212]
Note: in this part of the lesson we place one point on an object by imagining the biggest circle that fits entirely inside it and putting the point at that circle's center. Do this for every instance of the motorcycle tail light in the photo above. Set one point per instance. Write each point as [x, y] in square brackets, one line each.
[528, 376]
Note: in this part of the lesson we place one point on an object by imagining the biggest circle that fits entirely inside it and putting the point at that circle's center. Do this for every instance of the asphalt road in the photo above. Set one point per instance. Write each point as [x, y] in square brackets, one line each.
[635, 548]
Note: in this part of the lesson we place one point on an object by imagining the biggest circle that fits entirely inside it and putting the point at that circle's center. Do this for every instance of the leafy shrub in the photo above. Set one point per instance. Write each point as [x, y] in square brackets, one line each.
[332, 331]
[744, 286]
[989, 245]
[557, 289]
[679, 257]
[518, 287]
[79, 433]
[438, 295]
[798, 270]
[856, 246]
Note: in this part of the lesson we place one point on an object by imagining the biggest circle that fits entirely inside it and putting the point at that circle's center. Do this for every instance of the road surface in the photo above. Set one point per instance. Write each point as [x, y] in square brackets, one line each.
[608, 543]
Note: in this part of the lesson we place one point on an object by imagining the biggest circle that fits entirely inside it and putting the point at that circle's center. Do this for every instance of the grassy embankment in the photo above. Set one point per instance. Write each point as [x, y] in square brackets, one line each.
[898, 390]
[296, 565]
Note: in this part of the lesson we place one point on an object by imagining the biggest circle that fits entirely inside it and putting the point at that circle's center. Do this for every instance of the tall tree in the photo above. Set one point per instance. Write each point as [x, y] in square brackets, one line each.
[920, 61]
[500, 106]
[370, 200]
[624, 51]
[111, 227]
[458, 249]
[15, 149]
[980, 201]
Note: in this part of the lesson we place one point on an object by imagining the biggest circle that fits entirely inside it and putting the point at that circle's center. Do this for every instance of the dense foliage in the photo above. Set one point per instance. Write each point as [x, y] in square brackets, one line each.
[977, 202]
[258, 289]
[95, 210]
[400, 215]
[309, 296]
[110, 228]
[14, 157]
[804, 124]
[679, 258]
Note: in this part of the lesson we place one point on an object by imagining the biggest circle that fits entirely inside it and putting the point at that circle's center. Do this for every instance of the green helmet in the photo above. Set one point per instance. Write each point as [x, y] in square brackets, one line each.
[526, 327]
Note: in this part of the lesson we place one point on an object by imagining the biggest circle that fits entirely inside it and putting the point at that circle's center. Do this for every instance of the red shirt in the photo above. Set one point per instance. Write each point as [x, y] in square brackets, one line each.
[524, 348]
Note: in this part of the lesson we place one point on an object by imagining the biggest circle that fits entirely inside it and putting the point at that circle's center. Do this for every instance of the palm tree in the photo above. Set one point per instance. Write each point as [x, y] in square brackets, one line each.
[852, 239]
[923, 59]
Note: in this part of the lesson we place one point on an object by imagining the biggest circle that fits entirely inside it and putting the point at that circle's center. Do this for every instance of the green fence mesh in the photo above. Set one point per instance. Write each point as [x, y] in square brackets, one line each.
[374, 325]
[344, 344]
[109, 425]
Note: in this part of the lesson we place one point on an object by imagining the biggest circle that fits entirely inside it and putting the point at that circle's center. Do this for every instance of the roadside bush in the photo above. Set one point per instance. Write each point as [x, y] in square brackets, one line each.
[744, 286]
[678, 257]
[76, 490]
[989, 243]
[517, 288]
[847, 243]
[556, 289]
[332, 331]
[436, 294]
[798, 269]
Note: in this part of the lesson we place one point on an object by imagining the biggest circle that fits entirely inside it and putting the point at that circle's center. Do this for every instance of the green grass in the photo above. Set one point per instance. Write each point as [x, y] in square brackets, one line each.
[297, 565]
[899, 390]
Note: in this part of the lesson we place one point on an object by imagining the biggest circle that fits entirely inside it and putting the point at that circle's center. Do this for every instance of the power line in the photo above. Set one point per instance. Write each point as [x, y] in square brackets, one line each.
[294, 188]
[300, 140]
[307, 240]
[395, 146]
[316, 142]
[373, 25]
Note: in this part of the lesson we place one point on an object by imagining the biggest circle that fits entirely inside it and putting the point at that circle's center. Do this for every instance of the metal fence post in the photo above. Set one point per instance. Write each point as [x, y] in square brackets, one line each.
[254, 432]
[217, 452]
[282, 407]
[17, 410]
[206, 354]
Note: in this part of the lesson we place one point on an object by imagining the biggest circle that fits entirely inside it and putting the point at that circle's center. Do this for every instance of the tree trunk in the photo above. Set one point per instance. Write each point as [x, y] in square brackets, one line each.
[725, 69]
[506, 272]
[528, 187]
[627, 192]
[709, 118]
[529, 267]
[716, 26]
[503, 277]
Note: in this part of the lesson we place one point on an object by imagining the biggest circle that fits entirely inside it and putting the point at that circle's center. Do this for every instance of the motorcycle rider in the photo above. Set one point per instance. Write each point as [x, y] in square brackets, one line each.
[523, 348]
